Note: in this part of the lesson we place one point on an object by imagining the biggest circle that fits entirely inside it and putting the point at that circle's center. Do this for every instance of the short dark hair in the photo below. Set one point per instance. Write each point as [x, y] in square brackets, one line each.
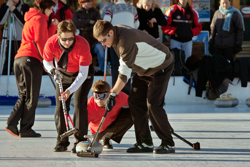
[66, 26]
[100, 86]
[43, 4]
[102, 27]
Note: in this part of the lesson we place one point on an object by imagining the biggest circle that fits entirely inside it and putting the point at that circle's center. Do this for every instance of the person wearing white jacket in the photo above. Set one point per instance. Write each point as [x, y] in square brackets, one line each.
[120, 13]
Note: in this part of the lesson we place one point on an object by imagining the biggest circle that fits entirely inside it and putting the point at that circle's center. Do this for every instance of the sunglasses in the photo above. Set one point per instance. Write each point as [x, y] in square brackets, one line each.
[105, 39]
[101, 96]
[67, 39]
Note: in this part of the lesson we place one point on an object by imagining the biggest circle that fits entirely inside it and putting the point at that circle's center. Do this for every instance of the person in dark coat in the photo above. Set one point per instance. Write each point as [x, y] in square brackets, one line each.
[84, 18]
[227, 29]
[150, 16]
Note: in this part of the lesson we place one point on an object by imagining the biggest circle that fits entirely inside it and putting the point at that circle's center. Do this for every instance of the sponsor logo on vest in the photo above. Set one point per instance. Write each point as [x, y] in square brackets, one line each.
[178, 17]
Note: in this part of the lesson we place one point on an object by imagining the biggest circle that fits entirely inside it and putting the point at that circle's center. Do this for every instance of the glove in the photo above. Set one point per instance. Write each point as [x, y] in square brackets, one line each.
[211, 48]
[110, 102]
[56, 75]
[237, 48]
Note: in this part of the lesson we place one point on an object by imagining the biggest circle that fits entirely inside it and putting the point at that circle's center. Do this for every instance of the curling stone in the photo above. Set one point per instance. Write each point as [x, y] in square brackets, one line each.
[226, 101]
[43, 102]
[234, 100]
[83, 146]
[248, 102]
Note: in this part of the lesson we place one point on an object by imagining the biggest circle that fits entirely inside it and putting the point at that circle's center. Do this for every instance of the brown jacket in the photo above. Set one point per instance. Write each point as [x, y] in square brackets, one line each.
[140, 52]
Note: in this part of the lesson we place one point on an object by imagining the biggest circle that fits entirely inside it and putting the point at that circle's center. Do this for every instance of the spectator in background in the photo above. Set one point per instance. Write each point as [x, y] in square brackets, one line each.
[120, 13]
[28, 68]
[60, 11]
[84, 18]
[18, 8]
[183, 24]
[227, 28]
[150, 16]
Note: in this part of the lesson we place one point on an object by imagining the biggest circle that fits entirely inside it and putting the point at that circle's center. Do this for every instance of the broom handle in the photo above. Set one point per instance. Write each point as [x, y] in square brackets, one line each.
[96, 134]
[182, 139]
[42, 60]
[105, 62]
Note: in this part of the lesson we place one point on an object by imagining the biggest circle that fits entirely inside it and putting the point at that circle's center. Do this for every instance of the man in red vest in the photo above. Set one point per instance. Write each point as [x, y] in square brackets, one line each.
[117, 122]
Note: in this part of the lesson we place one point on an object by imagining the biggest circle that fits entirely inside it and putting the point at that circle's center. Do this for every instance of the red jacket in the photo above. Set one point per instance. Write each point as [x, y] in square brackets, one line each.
[80, 54]
[95, 113]
[63, 12]
[35, 28]
[183, 23]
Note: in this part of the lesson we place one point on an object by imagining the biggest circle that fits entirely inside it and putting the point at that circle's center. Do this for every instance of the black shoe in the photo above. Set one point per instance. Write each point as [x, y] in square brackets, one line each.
[140, 148]
[106, 143]
[32, 133]
[12, 130]
[164, 149]
[60, 147]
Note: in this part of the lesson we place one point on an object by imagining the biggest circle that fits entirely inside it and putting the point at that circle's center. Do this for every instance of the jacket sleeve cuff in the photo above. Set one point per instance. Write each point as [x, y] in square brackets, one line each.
[123, 77]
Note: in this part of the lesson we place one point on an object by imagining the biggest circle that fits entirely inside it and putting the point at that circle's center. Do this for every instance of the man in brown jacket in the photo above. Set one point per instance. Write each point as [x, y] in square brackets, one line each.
[153, 64]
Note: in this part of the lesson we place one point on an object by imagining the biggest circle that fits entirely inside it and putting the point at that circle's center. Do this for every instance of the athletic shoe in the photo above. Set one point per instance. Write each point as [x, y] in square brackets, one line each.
[107, 144]
[31, 133]
[140, 148]
[164, 149]
[12, 130]
[60, 147]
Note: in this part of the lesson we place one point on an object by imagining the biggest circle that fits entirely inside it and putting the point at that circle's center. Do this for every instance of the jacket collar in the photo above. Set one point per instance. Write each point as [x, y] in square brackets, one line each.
[116, 35]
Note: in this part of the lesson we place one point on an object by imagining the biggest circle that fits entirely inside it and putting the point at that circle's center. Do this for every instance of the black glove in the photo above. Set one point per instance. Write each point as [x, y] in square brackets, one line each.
[237, 48]
[56, 75]
[110, 102]
[211, 48]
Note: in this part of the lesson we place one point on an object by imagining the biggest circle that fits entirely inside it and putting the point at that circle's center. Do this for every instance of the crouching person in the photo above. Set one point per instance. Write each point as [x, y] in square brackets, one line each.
[73, 59]
[117, 122]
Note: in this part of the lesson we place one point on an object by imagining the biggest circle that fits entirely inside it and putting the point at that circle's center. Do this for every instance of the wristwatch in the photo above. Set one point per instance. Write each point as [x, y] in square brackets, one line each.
[113, 94]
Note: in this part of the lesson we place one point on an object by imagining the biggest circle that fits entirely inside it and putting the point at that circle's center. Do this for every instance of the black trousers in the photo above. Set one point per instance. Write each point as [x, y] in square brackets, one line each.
[228, 53]
[28, 73]
[80, 118]
[146, 99]
[119, 127]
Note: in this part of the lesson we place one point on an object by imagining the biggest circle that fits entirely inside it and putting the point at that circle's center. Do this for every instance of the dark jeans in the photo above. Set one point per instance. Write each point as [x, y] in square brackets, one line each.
[146, 99]
[119, 127]
[80, 119]
[14, 47]
[114, 70]
[28, 73]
